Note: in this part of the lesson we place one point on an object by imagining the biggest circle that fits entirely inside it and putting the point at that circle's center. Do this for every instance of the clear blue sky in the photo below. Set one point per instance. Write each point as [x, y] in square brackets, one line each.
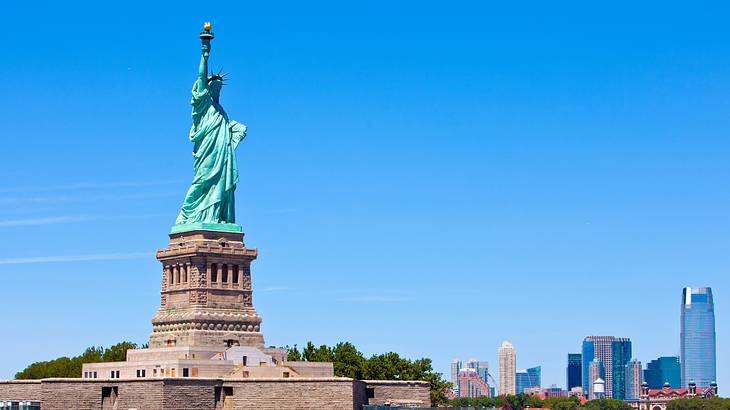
[426, 178]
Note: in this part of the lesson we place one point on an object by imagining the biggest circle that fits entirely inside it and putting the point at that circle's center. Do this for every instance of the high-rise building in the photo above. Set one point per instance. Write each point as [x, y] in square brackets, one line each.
[455, 367]
[481, 367]
[614, 353]
[596, 371]
[634, 378]
[507, 369]
[573, 377]
[527, 378]
[697, 337]
[471, 384]
[663, 370]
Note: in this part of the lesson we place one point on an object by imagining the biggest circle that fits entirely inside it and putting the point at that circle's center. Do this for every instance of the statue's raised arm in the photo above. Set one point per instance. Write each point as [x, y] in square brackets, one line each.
[205, 38]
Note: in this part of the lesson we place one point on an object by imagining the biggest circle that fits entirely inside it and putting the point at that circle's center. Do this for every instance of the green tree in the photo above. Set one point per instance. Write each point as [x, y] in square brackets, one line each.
[350, 362]
[695, 403]
[293, 354]
[561, 403]
[118, 352]
[317, 354]
[606, 404]
[71, 367]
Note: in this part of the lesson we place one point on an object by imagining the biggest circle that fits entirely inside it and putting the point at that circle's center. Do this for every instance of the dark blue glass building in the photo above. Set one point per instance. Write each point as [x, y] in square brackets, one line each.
[697, 337]
[663, 370]
[574, 371]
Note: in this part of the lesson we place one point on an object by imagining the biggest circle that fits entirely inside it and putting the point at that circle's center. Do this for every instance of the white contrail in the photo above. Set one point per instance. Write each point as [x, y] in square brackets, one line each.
[86, 198]
[50, 220]
[95, 185]
[76, 258]
[44, 221]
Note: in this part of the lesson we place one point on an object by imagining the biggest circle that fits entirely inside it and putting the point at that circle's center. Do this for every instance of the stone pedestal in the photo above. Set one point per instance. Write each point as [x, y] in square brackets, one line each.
[206, 297]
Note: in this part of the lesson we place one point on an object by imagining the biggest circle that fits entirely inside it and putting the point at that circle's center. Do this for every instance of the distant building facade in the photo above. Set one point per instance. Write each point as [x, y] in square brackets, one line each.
[574, 371]
[481, 367]
[527, 378]
[657, 399]
[614, 353]
[665, 369]
[697, 337]
[634, 380]
[596, 371]
[507, 369]
[455, 367]
[471, 384]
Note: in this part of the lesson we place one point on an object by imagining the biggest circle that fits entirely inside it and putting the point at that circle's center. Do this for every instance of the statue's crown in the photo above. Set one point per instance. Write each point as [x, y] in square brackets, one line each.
[221, 76]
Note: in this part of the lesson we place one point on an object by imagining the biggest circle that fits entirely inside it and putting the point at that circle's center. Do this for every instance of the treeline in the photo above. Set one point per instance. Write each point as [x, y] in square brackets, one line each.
[523, 401]
[350, 362]
[715, 403]
[71, 367]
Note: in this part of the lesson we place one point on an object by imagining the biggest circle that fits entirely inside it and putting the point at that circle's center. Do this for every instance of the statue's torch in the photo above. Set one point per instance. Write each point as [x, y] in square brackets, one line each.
[206, 34]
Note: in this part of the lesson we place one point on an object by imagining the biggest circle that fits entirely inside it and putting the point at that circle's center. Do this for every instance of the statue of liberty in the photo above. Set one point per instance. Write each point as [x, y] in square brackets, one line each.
[209, 203]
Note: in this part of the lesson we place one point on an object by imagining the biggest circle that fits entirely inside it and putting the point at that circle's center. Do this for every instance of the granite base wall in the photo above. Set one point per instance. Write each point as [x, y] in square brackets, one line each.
[212, 394]
[20, 390]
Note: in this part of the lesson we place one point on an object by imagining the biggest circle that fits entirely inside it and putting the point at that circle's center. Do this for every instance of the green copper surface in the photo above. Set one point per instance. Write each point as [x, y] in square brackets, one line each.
[201, 226]
[210, 199]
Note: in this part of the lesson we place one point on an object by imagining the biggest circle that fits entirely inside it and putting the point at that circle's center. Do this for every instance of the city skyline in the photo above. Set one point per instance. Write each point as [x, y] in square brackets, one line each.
[663, 371]
[493, 157]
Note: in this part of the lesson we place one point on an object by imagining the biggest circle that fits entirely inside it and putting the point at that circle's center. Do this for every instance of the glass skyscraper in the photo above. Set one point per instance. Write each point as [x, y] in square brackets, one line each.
[634, 379]
[614, 353]
[663, 370]
[527, 378]
[573, 376]
[697, 337]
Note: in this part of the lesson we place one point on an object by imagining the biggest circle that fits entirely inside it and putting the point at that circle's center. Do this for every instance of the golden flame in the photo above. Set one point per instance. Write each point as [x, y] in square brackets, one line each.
[207, 26]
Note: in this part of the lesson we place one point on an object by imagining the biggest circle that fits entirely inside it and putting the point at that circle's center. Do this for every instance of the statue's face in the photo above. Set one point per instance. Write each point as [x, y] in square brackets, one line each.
[214, 88]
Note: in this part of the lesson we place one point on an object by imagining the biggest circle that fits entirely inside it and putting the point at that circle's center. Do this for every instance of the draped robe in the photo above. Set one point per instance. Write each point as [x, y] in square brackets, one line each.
[215, 138]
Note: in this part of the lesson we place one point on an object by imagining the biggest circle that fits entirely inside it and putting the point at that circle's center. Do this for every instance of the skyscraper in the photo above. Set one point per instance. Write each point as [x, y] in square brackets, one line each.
[573, 376]
[455, 367]
[524, 379]
[614, 353]
[482, 368]
[596, 371]
[471, 384]
[507, 369]
[697, 337]
[663, 370]
[634, 378]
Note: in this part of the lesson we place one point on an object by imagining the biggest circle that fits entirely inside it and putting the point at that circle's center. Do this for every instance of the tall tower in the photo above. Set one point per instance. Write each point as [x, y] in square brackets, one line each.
[614, 353]
[634, 379]
[206, 296]
[573, 376]
[455, 367]
[697, 337]
[507, 369]
[596, 371]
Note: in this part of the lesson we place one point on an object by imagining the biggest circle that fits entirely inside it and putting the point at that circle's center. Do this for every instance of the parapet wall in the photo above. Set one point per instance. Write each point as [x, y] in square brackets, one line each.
[212, 394]
[20, 390]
